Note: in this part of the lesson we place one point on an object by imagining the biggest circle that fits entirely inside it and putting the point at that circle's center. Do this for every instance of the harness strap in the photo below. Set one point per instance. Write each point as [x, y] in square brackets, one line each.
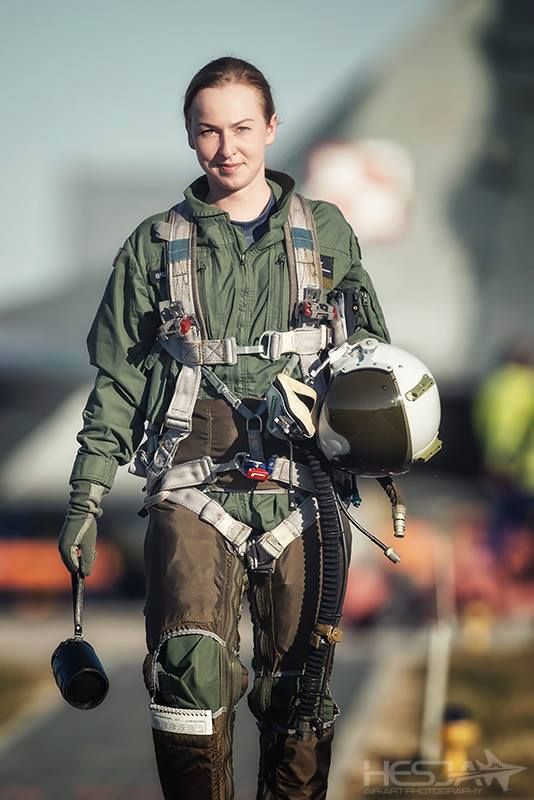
[178, 420]
[207, 510]
[194, 473]
[180, 410]
[305, 341]
[181, 264]
[205, 471]
[260, 553]
[204, 352]
[302, 248]
[179, 234]
[293, 474]
[191, 346]
[304, 262]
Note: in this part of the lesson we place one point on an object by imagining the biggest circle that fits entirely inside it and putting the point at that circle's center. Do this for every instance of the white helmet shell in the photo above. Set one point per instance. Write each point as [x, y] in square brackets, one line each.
[381, 411]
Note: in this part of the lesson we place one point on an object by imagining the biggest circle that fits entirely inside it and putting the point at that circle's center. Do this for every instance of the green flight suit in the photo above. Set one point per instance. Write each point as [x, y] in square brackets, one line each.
[194, 583]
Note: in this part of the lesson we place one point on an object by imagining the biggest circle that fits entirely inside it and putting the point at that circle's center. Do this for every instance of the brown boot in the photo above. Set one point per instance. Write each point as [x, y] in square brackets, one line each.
[293, 768]
[195, 767]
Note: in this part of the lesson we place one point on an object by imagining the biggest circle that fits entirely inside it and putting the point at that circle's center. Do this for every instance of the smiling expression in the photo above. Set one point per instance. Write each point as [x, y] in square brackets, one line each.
[229, 133]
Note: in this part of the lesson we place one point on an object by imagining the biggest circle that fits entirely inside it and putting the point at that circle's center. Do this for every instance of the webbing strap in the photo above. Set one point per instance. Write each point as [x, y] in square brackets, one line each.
[260, 553]
[179, 233]
[178, 420]
[304, 261]
[183, 401]
[205, 351]
[305, 341]
[194, 349]
[207, 510]
[194, 473]
[290, 472]
[302, 247]
[204, 471]
[181, 258]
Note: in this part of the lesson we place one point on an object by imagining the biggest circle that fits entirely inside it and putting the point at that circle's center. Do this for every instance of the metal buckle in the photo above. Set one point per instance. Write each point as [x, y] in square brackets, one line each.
[266, 355]
[254, 423]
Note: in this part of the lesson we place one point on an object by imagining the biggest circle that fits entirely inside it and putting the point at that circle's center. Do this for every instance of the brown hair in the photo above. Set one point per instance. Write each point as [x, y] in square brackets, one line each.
[229, 70]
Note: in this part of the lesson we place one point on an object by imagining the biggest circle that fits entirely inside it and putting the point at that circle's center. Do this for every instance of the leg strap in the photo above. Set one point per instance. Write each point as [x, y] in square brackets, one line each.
[237, 533]
[263, 552]
[260, 553]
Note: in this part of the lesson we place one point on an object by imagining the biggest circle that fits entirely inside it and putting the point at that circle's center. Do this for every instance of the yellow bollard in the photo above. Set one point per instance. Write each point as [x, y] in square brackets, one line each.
[459, 733]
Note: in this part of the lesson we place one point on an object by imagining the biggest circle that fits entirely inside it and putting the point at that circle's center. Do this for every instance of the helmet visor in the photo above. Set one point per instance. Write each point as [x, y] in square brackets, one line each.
[364, 407]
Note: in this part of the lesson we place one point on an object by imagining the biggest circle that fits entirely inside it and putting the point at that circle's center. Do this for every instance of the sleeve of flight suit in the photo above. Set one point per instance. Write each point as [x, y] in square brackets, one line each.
[365, 315]
[120, 338]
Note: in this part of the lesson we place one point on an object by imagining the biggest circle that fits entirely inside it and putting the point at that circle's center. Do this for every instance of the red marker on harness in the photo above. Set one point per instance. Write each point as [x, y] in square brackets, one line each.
[185, 325]
[257, 470]
[257, 474]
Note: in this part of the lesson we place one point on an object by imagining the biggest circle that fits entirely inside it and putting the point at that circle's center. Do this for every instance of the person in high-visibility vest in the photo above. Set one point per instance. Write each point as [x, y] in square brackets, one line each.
[503, 417]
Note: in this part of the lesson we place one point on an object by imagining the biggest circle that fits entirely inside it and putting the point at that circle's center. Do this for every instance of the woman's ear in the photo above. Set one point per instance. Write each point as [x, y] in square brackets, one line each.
[190, 140]
[272, 126]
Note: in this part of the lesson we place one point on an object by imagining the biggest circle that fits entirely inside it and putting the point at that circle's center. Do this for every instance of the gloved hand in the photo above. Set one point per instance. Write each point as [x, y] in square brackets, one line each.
[77, 539]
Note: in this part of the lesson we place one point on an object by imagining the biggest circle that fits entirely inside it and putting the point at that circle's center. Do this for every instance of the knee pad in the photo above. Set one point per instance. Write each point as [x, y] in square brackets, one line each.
[194, 679]
[188, 672]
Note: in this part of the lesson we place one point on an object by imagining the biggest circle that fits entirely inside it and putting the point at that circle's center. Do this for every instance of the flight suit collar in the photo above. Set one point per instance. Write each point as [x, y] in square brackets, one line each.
[281, 184]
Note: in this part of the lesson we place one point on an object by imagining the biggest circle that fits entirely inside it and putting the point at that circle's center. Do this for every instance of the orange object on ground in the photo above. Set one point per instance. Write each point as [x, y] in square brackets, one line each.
[35, 565]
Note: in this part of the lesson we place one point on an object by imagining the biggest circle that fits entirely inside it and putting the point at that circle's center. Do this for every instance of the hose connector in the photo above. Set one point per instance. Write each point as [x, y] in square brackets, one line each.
[392, 555]
[398, 513]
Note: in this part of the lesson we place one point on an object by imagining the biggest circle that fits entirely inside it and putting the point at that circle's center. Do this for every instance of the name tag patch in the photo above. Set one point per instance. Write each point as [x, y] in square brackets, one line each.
[327, 266]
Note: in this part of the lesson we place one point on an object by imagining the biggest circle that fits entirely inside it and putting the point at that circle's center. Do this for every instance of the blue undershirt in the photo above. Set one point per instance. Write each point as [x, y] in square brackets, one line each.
[254, 229]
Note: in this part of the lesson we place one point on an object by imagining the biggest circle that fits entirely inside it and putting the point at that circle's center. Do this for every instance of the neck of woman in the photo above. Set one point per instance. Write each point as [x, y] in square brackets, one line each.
[244, 204]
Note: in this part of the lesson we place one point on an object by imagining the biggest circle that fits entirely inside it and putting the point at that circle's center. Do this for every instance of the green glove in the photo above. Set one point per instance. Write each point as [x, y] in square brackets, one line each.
[77, 539]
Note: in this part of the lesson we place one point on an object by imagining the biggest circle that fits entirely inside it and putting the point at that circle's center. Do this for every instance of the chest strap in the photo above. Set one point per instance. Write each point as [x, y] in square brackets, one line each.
[271, 346]
[204, 471]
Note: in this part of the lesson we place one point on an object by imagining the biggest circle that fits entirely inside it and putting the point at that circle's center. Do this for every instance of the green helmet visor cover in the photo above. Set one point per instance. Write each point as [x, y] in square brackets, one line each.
[365, 408]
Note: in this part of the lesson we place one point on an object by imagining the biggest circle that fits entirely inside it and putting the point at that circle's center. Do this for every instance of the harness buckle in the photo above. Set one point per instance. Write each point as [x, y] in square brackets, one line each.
[314, 310]
[255, 470]
[256, 473]
[254, 423]
[265, 351]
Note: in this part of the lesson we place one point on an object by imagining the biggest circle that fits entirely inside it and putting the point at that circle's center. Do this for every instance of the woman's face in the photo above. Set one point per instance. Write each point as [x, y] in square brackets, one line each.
[228, 131]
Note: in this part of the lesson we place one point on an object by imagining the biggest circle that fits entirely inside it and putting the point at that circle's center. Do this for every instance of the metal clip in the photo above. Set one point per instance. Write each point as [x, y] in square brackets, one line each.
[321, 632]
[266, 354]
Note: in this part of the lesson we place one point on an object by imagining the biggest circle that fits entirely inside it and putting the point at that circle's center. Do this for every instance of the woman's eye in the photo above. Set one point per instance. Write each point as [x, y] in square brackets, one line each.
[206, 132]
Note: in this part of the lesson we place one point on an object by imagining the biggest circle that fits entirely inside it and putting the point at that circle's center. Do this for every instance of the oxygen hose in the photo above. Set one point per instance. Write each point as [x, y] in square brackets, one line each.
[314, 679]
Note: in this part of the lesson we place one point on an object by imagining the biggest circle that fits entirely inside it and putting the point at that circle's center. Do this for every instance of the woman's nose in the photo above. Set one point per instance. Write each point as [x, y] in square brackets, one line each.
[227, 145]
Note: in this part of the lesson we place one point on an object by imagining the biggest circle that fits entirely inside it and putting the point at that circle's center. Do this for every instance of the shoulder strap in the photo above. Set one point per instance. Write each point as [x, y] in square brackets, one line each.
[302, 247]
[179, 233]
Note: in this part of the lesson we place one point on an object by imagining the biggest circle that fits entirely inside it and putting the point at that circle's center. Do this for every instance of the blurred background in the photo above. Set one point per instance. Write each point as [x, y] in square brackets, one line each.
[417, 119]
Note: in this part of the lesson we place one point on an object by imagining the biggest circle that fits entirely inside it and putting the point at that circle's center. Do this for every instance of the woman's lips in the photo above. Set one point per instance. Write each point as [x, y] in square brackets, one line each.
[228, 168]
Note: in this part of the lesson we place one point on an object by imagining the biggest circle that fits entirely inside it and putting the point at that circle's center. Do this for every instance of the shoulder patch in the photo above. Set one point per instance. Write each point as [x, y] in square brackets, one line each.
[157, 275]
